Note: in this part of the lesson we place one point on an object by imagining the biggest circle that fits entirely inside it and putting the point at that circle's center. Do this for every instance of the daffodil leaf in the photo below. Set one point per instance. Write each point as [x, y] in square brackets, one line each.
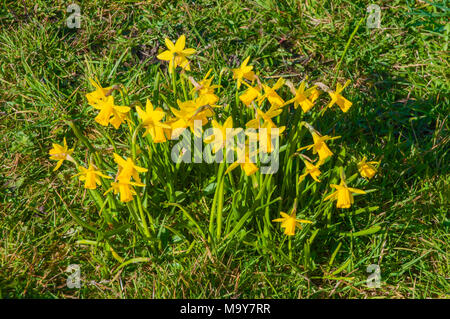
[368, 231]
[133, 261]
[340, 269]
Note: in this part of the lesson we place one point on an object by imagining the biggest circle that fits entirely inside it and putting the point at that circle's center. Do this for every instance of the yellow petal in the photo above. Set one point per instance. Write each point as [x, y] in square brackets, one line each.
[179, 45]
[165, 56]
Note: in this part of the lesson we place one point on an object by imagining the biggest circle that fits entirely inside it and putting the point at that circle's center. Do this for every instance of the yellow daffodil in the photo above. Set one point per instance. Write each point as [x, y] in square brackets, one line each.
[310, 169]
[176, 54]
[343, 194]
[90, 176]
[250, 94]
[264, 134]
[304, 98]
[99, 95]
[243, 160]
[266, 116]
[151, 121]
[119, 113]
[337, 98]
[314, 94]
[319, 146]
[125, 189]
[219, 137]
[170, 121]
[271, 95]
[128, 169]
[189, 112]
[289, 222]
[243, 72]
[110, 113]
[366, 169]
[60, 153]
[205, 89]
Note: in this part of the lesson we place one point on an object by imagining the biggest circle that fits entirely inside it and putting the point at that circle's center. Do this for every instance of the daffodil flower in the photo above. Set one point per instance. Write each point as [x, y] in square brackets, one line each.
[337, 98]
[110, 113]
[250, 94]
[290, 222]
[366, 169]
[119, 115]
[99, 95]
[243, 72]
[61, 153]
[310, 169]
[151, 121]
[125, 189]
[243, 160]
[176, 54]
[302, 97]
[189, 112]
[205, 89]
[343, 194]
[219, 138]
[319, 146]
[128, 169]
[271, 95]
[314, 94]
[266, 116]
[264, 134]
[90, 176]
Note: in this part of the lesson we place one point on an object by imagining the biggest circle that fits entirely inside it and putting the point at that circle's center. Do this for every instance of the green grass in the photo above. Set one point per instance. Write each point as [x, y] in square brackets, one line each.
[400, 90]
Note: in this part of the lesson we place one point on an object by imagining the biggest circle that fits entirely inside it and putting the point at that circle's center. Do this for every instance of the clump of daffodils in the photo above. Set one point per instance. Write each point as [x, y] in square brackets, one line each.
[128, 169]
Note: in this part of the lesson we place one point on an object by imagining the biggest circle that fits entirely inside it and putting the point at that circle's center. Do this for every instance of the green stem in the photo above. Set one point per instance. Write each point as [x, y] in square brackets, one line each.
[141, 213]
[133, 141]
[216, 195]
[220, 207]
[136, 218]
[290, 247]
[345, 51]
[108, 136]
[174, 84]
[183, 85]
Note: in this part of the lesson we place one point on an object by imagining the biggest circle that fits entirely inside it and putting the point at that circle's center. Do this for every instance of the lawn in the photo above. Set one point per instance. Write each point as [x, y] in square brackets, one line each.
[399, 87]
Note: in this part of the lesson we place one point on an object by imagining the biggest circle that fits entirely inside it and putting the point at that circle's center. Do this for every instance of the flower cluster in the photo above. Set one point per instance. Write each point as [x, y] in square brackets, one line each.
[263, 106]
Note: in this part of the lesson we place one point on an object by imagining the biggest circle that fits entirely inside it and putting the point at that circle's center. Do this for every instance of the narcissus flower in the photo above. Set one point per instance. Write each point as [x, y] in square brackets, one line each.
[366, 169]
[337, 98]
[90, 176]
[205, 89]
[290, 222]
[264, 134]
[110, 113]
[151, 121]
[125, 188]
[250, 94]
[319, 146]
[60, 153]
[310, 169]
[314, 94]
[120, 114]
[176, 54]
[271, 95]
[243, 159]
[343, 194]
[99, 95]
[243, 72]
[304, 98]
[189, 112]
[266, 116]
[219, 137]
[128, 169]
